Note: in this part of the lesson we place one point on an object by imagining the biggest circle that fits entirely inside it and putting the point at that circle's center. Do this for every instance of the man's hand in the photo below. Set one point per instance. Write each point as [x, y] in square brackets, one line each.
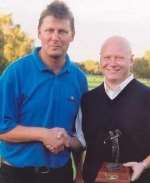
[137, 167]
[55, 139]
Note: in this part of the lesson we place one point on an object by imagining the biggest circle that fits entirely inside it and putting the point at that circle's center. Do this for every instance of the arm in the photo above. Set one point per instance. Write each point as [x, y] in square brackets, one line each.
[79, 153]
[23, 134]
[12, 99]
[49, 137]
[138, 167]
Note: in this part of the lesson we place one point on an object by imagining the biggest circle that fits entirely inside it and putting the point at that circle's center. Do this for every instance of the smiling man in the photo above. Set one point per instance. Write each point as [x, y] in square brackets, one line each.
[120, 103]
[40, 95]
[116, 61]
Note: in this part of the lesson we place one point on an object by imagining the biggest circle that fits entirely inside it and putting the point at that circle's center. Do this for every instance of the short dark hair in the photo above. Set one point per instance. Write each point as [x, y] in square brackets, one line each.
[59, 10]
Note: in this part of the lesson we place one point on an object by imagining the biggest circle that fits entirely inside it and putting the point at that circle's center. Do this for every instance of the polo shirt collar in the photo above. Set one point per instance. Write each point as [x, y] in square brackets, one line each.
[67, 65]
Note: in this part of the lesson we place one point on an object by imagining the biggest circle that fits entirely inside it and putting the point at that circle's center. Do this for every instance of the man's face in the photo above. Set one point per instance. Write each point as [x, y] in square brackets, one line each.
[116, 61]
[55, 35]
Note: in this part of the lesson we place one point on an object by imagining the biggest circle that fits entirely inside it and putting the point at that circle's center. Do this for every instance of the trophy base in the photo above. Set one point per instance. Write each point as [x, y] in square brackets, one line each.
[113, 173]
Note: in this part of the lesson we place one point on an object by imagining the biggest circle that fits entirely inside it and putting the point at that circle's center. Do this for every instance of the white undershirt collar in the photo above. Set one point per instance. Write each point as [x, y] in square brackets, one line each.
[113, 93]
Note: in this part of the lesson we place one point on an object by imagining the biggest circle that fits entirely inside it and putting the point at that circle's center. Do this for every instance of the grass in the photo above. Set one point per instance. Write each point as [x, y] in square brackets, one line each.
[95, 80]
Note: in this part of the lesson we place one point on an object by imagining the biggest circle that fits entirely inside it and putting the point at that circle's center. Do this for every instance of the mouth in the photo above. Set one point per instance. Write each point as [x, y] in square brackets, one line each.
[113, 71]
[55, 46]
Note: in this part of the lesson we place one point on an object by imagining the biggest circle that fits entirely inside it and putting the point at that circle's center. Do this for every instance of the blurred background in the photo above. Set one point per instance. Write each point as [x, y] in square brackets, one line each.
[95, 20]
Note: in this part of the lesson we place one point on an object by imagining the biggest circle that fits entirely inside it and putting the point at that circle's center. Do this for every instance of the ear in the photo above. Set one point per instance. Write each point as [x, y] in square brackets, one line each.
[72, 36]
[38, 33]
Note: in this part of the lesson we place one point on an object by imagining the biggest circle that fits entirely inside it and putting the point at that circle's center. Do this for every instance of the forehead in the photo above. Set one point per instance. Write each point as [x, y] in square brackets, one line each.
[115, 47]
[51, 21]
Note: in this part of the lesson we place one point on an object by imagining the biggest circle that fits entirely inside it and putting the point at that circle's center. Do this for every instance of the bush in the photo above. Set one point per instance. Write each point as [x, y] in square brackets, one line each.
[141, 68]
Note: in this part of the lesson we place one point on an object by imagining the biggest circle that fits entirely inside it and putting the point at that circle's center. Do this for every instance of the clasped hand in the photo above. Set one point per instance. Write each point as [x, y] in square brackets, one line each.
[56, 139]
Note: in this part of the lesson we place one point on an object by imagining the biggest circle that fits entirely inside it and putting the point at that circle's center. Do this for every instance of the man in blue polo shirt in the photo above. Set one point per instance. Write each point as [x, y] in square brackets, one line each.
[39, 99]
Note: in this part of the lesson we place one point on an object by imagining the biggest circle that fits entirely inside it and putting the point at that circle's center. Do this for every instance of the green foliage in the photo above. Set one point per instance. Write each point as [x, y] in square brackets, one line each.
[96, 80]
[90, 66]
[2, 59]
[147, 55]
[141, 68]
[14, 43]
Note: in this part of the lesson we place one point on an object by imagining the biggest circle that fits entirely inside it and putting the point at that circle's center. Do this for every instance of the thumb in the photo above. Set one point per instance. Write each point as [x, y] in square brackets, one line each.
[134, 176]
[129, 164]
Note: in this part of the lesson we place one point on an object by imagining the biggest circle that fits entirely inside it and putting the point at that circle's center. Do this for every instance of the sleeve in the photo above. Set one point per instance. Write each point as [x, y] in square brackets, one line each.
[8, 101]
[78, 127]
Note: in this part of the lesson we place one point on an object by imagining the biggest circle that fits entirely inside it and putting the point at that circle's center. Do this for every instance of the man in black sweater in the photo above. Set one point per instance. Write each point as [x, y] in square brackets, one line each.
[122, 103]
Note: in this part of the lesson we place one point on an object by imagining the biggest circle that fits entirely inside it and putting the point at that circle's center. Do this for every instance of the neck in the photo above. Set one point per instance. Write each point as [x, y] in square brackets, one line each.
[113, 84]
[54, 63]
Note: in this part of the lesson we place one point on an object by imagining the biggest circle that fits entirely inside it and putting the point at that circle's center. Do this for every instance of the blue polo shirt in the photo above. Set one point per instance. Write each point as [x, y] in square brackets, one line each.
[33, 96]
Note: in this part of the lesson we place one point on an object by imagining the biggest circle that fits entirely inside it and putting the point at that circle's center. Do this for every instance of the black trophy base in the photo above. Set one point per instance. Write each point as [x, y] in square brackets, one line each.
[113, 173]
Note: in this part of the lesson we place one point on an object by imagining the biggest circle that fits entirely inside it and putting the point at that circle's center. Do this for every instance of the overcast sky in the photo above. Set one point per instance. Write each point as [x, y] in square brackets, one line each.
[95, 20]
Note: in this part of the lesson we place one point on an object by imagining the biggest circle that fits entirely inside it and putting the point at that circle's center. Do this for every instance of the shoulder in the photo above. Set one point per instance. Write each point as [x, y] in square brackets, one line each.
[79, 76]
[140, 87]
[75, 69]
[20, 62]
[18, 66]
[90, 95]
[140, 92]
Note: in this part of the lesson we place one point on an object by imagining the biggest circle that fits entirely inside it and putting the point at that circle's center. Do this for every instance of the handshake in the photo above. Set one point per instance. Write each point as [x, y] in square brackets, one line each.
[56, 139]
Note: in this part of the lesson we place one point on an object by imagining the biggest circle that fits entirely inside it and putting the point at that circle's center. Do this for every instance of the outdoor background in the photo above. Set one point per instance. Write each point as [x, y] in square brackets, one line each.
[95, 20]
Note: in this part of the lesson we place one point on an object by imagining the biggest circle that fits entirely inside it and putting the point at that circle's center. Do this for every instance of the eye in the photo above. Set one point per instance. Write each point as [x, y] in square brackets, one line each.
[119, 58]
[63, 32]
[49, 30]
[107, 57]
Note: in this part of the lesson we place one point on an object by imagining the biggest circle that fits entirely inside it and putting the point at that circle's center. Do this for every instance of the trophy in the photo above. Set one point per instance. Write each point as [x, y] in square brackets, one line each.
[113, 172]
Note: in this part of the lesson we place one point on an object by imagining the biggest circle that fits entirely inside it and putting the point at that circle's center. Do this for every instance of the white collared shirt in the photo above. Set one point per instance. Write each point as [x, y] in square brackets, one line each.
[78, 126]
[112, 94]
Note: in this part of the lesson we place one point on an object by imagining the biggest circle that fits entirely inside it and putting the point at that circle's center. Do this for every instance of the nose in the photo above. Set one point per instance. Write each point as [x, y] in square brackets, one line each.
[55, 35]
[112, 61]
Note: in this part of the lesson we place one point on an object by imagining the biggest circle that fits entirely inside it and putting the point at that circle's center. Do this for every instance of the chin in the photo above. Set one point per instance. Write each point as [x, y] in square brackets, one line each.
[53, 55]
[112, 79]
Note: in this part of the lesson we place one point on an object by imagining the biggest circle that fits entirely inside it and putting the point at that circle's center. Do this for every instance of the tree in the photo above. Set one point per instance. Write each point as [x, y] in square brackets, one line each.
[90, 66]
[14, 43]
[2, 59]
[141, 68]
[147, 55]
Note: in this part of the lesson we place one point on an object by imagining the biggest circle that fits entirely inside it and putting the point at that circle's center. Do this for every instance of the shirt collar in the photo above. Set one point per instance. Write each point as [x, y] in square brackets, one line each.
[113, 93]
[67, 66]
[42, 67]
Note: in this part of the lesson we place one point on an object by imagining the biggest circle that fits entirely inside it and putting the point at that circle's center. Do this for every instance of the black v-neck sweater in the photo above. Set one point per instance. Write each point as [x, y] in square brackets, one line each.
[129, 112]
